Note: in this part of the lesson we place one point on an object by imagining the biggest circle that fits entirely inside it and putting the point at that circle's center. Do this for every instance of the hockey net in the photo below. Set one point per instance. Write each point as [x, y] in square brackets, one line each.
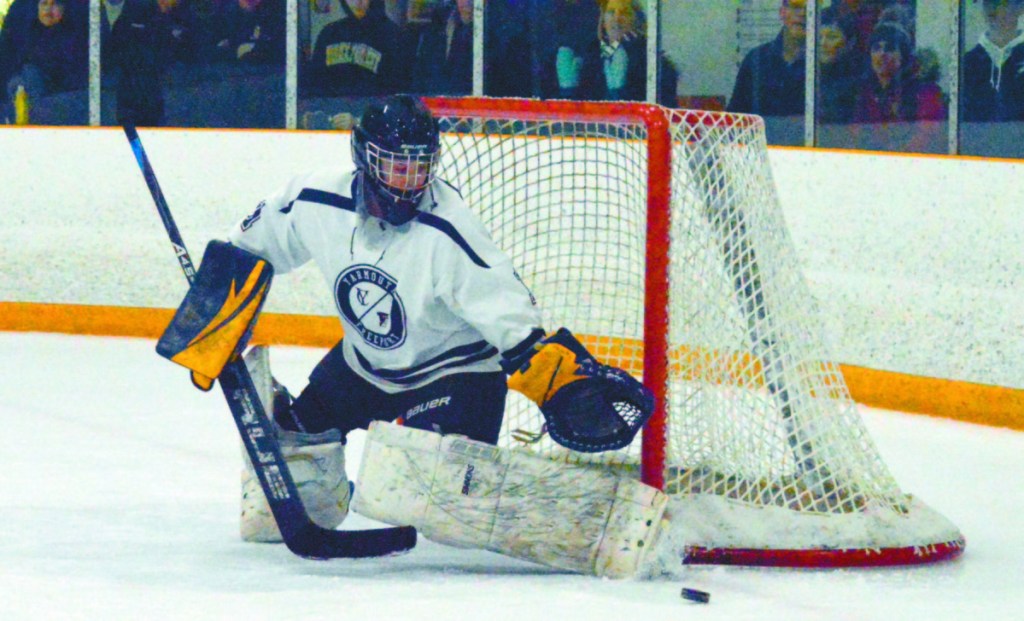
[656, 236]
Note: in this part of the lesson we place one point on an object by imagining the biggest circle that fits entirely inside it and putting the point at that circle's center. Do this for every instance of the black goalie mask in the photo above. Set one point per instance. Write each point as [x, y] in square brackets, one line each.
[396, 146]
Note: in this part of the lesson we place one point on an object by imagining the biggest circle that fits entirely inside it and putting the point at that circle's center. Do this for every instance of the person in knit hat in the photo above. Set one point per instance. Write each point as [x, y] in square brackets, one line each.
[890, 91]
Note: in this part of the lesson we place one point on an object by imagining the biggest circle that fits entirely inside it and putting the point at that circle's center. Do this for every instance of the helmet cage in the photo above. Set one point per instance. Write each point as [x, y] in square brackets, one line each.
[401, 176]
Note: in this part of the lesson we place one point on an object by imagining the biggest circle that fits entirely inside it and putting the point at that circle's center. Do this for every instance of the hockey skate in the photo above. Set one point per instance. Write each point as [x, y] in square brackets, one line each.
[316, 463]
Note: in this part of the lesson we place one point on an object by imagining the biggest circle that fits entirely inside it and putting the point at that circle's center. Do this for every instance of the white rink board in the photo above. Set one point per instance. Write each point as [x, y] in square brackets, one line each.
[916, 261]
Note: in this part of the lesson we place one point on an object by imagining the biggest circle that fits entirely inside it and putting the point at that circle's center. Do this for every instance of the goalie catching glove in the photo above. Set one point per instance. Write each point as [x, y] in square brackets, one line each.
[215, 320]
[588, 406]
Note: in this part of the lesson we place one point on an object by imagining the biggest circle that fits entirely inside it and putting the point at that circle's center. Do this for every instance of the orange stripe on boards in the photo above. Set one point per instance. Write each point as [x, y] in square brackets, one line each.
[973, 403]
[271, 328]
[304, 330]
[82, 319]
[964, 401]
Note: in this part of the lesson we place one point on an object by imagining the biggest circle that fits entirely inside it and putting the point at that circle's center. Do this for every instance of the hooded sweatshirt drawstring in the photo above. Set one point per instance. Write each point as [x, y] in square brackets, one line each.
[999, 55]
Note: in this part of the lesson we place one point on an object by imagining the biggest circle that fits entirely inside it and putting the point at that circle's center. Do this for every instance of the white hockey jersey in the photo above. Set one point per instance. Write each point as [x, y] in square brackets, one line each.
[432, 297]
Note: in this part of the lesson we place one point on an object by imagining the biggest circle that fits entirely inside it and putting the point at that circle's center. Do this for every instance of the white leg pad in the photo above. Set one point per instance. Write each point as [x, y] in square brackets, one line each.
[316, 463]
[469, 494]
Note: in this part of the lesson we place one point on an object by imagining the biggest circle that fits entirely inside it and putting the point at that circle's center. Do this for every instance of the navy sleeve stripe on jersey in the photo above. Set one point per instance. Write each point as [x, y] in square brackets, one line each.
[460, 352]
[455, 352]
[326, 198]
[409, 376]
[446, 227]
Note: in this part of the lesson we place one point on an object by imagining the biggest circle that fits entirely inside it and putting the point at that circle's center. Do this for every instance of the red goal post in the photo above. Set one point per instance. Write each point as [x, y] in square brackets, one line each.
[658, 156]
[656, 235]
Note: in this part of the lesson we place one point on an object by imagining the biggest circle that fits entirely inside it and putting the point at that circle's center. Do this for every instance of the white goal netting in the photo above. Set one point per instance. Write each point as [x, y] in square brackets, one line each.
[656, 236]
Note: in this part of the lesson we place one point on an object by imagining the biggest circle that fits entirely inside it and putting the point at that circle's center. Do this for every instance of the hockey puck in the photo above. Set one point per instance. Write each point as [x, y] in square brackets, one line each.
[701, 597]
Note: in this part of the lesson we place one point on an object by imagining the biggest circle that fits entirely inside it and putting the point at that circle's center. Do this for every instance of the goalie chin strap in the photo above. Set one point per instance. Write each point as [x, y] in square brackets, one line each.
[588, 406]
[300, 533]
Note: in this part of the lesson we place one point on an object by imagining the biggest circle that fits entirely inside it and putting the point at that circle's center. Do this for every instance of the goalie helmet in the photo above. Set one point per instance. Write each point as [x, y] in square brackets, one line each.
[396, 145]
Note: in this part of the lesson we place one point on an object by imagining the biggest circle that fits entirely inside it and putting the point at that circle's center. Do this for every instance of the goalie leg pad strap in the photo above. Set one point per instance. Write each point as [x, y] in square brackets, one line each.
[469, 494]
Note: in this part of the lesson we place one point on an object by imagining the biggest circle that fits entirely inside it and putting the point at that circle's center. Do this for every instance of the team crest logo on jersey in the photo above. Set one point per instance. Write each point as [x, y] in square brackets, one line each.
[368, 298]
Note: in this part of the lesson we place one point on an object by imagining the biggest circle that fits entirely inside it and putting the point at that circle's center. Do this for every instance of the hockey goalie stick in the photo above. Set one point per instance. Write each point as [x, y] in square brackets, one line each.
[300, 533]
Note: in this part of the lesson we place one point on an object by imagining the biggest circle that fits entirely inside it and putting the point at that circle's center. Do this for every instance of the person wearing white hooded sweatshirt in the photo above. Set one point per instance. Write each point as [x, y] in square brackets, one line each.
[993, 71]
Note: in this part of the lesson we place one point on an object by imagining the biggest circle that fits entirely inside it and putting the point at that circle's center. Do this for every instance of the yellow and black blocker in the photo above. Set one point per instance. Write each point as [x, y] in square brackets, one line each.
[214, 322]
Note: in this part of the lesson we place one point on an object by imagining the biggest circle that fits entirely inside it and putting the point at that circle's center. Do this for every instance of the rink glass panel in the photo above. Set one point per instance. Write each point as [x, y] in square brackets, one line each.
[991, 131]
[847, 102]
[203, 71]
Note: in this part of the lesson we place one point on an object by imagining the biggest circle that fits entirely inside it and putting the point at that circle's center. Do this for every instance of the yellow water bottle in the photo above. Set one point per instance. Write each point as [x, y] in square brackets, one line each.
[21, 106]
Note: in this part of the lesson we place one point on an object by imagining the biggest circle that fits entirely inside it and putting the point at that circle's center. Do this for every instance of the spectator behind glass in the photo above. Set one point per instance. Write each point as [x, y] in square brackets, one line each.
[891, 90]
[771, 78]
[444, 52]
[861, 16]
[361, 54]
[839, 66]
[903, 15]
[252, 31]
[110, 12]
[148, 39]
[510, 66]
[614, 65]
[993, 70]
[573, 34]
[49, 56]
[16, 22]
[15, 33]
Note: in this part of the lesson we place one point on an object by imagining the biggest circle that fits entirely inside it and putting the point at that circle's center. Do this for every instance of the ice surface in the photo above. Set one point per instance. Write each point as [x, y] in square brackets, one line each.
[119, 500]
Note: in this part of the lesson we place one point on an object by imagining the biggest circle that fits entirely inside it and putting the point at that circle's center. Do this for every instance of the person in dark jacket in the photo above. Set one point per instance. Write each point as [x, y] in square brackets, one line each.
[49, 54]
[614, 66]
[839, 66]
[771, 78]
[14, 34]
[253, 32]
[891, 91]
[444, 52]
[149, 38]
[361, 54]
[993, 70]
[572, 33]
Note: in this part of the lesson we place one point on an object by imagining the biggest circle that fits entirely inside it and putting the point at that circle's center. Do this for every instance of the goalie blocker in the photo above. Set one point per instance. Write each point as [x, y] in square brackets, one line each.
[470, 494]
[587, 406]
[214, 322]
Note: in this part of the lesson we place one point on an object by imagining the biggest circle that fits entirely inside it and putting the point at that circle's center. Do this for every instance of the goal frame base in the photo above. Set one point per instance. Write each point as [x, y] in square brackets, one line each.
[827, 559]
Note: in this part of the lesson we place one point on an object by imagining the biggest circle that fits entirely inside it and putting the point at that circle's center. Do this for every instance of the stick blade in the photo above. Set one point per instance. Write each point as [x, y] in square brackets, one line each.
[318, 543]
